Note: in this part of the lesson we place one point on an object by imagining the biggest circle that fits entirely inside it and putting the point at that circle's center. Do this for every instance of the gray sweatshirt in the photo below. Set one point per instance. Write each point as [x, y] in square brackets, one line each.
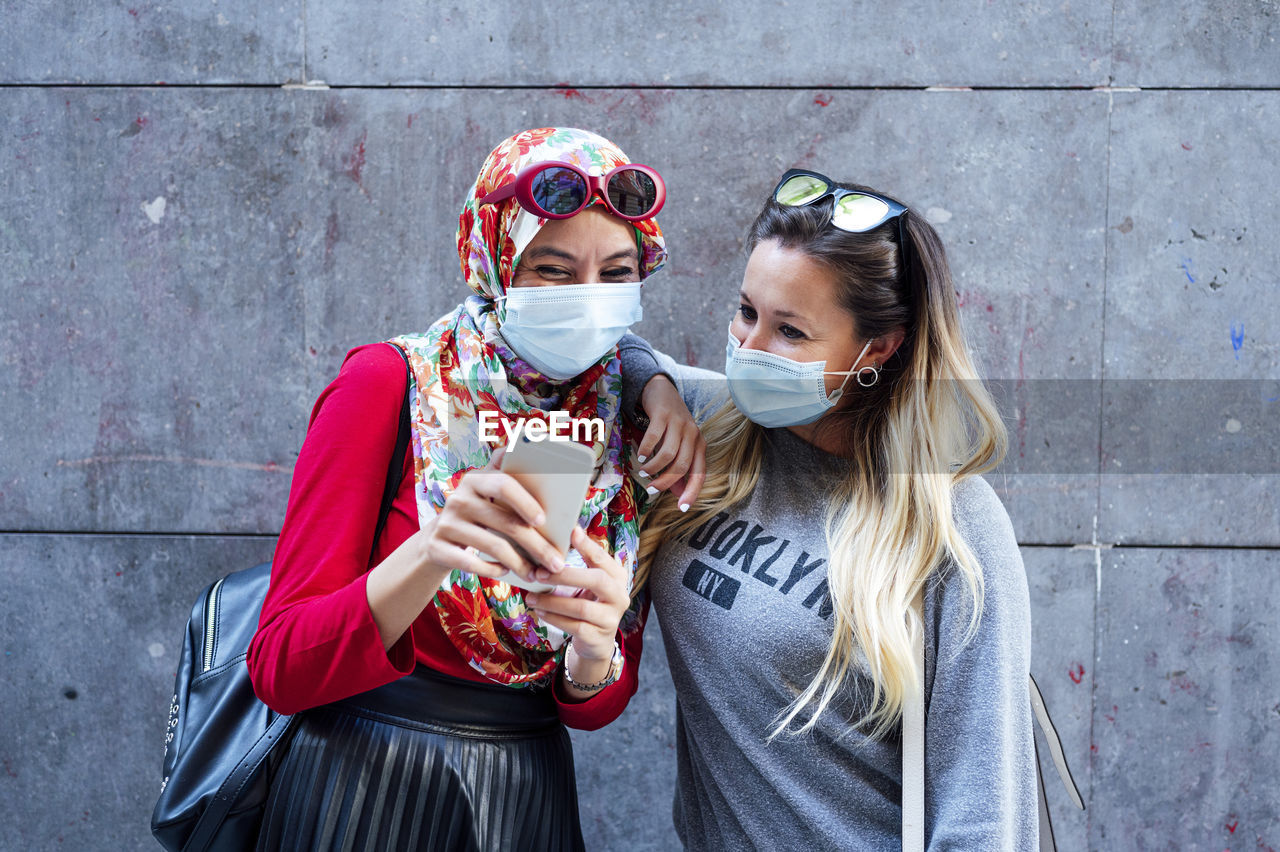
[746, 621]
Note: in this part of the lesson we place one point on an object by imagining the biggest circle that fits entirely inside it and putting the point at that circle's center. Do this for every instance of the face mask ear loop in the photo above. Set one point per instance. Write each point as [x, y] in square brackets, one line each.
[839, 392]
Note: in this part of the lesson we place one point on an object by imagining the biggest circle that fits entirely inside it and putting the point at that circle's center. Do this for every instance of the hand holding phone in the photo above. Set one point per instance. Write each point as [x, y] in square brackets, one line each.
[557, 475]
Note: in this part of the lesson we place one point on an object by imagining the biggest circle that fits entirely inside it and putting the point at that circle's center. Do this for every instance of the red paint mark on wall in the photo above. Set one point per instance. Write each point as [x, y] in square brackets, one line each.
[1186, 146]
[809, 155]
[142, 121]
[1231, 826]
[569, 94]
[823, 100]
[1111, 717]
[1076, 674]
[636, 104]
[133, 12]
[353, 163]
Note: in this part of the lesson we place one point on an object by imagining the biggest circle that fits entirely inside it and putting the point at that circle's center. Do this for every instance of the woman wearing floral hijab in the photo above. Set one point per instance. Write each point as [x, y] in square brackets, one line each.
[436, 695]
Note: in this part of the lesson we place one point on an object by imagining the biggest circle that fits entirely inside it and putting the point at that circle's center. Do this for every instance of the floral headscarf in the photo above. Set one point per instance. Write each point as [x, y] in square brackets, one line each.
[462, 366]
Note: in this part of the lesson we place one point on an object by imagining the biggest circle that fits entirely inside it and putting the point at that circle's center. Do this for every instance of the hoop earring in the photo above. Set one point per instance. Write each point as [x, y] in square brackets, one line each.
[875, 376]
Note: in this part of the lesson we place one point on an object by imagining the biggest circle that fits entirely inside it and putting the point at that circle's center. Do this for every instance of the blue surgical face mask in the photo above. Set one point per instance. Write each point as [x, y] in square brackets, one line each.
[563, 329]
[774, 391]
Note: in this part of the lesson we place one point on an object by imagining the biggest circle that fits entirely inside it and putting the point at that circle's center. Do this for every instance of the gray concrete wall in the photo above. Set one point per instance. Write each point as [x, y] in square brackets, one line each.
[189, 243]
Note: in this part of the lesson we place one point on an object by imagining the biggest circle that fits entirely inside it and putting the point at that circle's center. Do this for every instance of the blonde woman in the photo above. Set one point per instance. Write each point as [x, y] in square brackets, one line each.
[843, 461]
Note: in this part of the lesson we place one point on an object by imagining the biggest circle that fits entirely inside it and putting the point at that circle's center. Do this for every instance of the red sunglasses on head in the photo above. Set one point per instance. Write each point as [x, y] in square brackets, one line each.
[559, 190]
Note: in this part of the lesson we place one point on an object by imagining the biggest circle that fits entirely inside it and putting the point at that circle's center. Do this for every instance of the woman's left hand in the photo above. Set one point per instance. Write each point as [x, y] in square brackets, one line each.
[592, 617]
[672, 450]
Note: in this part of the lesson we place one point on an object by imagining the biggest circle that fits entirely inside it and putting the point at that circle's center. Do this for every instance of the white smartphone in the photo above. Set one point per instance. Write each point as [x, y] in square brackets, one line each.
[557, 475]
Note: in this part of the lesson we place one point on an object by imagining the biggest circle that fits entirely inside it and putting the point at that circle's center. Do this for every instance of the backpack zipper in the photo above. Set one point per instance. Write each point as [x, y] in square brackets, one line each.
[211, 623]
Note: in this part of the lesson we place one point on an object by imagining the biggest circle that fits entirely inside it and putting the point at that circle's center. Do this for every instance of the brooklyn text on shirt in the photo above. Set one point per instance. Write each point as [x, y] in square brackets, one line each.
[731, 551]
[558, 426]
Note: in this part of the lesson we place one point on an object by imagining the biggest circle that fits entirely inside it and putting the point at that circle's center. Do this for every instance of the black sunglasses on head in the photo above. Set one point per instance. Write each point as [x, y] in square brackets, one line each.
[851, 210]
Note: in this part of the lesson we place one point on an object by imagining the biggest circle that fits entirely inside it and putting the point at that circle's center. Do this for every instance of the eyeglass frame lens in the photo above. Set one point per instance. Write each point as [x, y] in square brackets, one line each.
[566, 180]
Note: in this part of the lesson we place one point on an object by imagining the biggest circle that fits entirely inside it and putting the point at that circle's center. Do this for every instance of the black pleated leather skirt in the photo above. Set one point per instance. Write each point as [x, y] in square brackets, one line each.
[428, 762]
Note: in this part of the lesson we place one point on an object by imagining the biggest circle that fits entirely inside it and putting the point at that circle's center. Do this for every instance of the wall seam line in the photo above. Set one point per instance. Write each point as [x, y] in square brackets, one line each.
[1102, 384]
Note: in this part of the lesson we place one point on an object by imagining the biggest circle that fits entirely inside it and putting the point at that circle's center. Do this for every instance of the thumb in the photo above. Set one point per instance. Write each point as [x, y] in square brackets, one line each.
[495, 458]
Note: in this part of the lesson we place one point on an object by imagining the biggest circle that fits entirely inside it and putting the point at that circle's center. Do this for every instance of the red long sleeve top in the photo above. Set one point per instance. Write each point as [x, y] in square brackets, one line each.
[317, 641]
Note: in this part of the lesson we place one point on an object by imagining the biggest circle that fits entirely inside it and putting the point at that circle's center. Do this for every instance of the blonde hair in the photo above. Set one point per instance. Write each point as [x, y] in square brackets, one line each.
[928, 424]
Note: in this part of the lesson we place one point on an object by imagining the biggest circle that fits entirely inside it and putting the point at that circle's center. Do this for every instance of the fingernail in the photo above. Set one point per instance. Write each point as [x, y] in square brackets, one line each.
[542, 574]
[684, 507]
[531, 598]
[643, 473]
[540, 520]
[642, 459]
[652, 491]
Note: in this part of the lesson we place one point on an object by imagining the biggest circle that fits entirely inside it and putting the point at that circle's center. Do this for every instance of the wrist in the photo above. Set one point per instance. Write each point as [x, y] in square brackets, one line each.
[423, 565]
[653, 386]
[589, 652]
[586, 675]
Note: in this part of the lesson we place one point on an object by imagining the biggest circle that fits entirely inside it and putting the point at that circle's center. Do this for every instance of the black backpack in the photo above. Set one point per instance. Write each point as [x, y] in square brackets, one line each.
[222, 743]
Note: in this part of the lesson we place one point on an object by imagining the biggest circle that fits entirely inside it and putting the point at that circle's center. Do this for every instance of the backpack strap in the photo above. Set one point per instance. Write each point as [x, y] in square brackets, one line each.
[246, 770]
[229, 793]
[394, 469]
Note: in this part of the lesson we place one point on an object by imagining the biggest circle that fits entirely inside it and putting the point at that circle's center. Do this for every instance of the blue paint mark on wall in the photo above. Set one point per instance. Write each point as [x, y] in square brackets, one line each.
[1237, 337]
[1186, 269]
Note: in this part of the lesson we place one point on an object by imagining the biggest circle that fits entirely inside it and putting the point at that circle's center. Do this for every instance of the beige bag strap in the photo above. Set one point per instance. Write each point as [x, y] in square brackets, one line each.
[1055, 744]
[1041, 714]
[913, 747]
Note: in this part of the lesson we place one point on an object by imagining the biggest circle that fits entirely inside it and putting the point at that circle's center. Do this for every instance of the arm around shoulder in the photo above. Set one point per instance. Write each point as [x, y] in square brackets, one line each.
[703, 391]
